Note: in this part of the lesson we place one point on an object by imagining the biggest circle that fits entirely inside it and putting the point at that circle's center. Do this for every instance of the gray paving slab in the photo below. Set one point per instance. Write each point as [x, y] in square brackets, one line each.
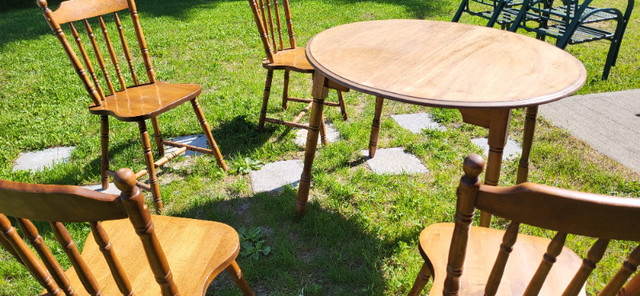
[98, 187]
[394, 161]
[608, 122]
[332, 135]
[38, 160]
[193, 140]
[511, 150]
[272, 177]
[416, 122]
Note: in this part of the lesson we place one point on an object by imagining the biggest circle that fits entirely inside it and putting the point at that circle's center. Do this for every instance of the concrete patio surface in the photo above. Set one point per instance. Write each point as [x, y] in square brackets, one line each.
[608, 122]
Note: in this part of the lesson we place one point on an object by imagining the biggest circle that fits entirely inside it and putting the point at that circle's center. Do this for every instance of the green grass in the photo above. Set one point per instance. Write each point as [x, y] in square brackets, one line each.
[359, 235]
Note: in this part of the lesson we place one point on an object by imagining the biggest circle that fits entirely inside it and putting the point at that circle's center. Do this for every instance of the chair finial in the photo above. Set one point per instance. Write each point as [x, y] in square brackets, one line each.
[473, 165]
[125, 180]
[41, 3]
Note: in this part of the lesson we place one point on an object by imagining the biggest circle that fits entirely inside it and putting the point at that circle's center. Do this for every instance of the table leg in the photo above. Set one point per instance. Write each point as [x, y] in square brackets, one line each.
[375, 128]
[319, 93]
[527, 141]
[498, 133]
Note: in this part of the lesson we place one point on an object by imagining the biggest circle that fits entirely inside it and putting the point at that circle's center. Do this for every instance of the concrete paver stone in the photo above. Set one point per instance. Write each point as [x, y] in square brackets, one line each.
[511, 150]
[416, 122]
[38, 160]
[193, 140]
[272, 177]
[394, 161]
[98, 187]
[332, 135]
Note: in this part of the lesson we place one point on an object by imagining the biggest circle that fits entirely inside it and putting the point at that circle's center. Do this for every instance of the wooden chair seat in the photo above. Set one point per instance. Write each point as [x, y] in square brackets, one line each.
[483, 246]
[293, 59]
[215, 243]
[146, 101]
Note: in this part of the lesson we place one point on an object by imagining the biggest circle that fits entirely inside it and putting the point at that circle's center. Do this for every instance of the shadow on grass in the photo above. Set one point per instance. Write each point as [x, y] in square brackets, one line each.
[28, 23]
[324, 253]
[239, 136]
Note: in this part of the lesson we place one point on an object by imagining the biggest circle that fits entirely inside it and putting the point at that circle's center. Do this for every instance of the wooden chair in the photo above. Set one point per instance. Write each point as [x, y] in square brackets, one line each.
[126, 256]
[269, 20]
[131, 103]
[468, 269]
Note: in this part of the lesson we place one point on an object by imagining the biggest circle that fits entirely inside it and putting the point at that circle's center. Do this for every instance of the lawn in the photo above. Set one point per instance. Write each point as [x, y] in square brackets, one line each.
[359, 234]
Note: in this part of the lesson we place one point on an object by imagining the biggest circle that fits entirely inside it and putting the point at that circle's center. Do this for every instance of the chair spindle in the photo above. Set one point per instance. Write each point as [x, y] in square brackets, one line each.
[69, 247]
[509, 239]
[142, 43]
[27, 257]
[112, 53]
[50, 262]
[287, 13]
[277, 13]
[85, 57]
[629, 266]
[271, 28]
[99, 57]
[549, 258]
[120, 277]
[588, 264]
[125, 48]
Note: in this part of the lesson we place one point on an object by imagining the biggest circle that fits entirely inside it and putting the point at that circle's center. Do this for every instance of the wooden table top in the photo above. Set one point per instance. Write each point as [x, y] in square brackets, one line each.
[445, 64]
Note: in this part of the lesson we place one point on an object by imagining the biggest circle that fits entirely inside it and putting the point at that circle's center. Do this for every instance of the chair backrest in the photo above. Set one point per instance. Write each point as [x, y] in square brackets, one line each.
[269, 20]
[84, 12]
[57, 204]
[566, 212]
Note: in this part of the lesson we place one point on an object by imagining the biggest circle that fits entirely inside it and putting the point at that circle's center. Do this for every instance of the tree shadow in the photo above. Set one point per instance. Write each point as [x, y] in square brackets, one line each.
[28, 23]
[420, 9]
[324, 252]
[239, 136]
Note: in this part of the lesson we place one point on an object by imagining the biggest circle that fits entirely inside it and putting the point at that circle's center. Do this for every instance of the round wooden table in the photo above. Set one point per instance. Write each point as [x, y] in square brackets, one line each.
[483, 72]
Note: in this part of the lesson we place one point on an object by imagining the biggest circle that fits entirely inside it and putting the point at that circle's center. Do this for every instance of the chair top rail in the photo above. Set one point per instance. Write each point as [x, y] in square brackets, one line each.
[564, 210]
[75, 10]
[57, 203]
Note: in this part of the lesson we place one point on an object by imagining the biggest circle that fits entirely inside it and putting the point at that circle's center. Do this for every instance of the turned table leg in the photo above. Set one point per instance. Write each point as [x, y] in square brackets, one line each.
[498, 133]
[319, 93]
[527, 141]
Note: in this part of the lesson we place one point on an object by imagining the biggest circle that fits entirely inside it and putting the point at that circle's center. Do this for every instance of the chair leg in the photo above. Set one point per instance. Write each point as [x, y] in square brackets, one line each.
[265, 99]
[104, 143]
[285, 90]
[158, 134]
[375, 128]
[343, 106]
[421, 280]
[237, 276]
[148, 157]
[207, 132]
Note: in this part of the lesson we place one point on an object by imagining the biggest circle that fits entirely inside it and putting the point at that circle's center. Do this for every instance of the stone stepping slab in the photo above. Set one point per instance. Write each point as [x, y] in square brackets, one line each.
[39, 160]
[273, 177]
[199, 140]
[416, 122]
[98, 187]
[332, 135]
[394, 161]
[511, 150]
